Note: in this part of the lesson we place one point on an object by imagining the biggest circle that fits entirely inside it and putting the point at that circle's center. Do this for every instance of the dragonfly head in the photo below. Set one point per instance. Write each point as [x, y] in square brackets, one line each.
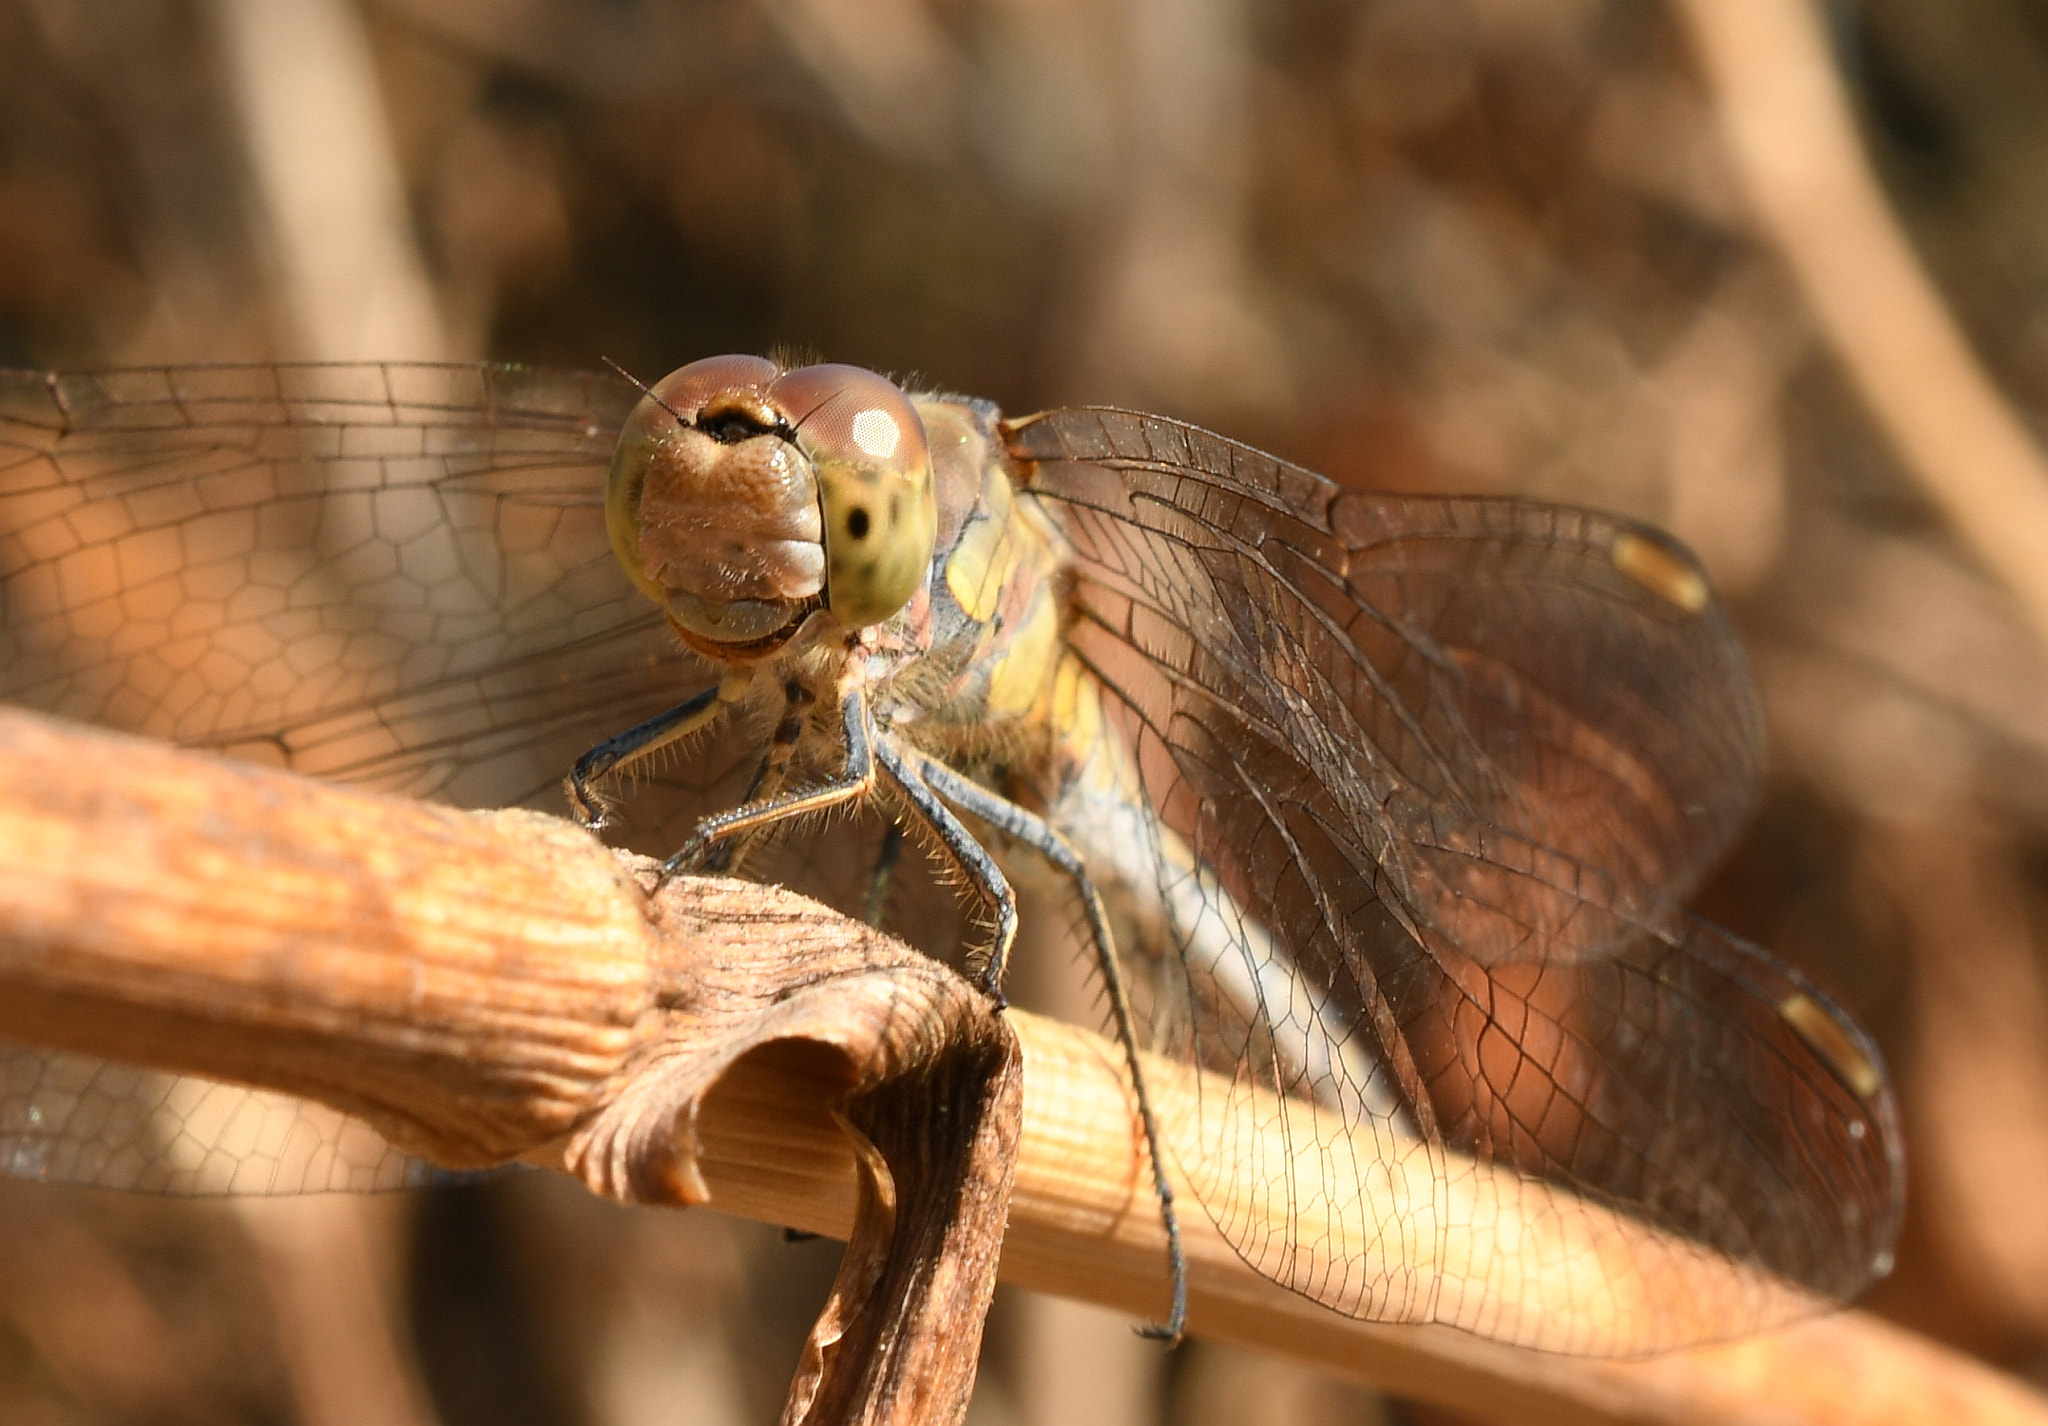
[743, 496]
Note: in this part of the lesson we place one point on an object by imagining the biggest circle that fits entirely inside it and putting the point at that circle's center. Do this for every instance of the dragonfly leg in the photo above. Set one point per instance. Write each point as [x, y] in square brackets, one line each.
[856, 779]
[622, 750]
[935, 780]
[885, 869]
[970, 856]
[725, 858]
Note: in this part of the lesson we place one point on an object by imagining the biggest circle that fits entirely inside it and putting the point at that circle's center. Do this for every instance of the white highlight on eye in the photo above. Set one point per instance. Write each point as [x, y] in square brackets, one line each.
[875, 431]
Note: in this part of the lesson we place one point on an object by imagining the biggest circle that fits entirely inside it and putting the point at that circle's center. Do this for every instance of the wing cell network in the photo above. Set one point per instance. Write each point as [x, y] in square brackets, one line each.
[1459, 760]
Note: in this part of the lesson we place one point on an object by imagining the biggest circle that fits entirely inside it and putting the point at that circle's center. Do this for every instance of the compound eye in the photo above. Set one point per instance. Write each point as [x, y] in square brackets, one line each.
[867, 447]
[688, 388]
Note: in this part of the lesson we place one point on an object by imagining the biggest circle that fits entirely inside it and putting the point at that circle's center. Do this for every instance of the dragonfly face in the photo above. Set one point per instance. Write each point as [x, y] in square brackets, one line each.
[1386, 804]
[742, 496]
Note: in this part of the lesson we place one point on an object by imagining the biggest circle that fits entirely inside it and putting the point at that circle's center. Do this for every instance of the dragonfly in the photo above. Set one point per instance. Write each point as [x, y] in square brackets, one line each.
[1383, 804]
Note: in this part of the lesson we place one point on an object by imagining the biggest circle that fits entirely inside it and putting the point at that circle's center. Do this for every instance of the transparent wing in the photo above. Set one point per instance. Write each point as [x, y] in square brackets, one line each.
[395, 575]
[1457, 759]
[381, 572]
[74, 1119]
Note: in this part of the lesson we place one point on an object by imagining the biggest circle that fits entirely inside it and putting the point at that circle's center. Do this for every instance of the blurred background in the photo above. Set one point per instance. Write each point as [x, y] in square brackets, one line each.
[1479, 245]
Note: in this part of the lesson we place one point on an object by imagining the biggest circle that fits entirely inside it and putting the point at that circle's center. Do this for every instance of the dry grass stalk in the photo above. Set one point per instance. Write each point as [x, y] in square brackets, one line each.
[1790, 132]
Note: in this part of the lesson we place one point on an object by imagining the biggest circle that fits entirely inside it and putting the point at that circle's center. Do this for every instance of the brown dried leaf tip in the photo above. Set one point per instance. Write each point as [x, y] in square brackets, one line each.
[923, 1077]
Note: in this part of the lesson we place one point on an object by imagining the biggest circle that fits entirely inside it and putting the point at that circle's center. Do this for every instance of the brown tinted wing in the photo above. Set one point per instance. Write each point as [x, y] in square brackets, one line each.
[1459, 757]
[394, 575]
[1529, 710]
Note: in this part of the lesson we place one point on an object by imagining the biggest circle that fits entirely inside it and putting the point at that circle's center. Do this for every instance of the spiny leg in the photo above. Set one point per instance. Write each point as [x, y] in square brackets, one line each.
[933, 780]
[622, 750]
[722, 859]
[885, 870]
[797, 702]
[970, 856]
[855, 780]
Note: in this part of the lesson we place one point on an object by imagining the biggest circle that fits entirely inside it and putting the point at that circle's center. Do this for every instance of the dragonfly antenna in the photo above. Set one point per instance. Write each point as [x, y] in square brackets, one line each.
[646, 390]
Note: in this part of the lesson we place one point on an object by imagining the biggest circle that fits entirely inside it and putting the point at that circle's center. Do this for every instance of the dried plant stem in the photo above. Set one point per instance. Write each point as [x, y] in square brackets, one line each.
[481, 986]
[1789, 129]
[331, 199]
